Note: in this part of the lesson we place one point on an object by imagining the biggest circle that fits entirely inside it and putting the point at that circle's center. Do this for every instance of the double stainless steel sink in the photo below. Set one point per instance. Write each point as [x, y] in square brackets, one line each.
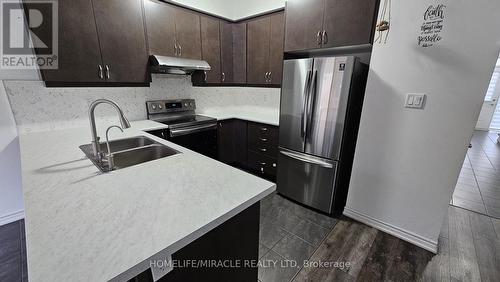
[128, 152]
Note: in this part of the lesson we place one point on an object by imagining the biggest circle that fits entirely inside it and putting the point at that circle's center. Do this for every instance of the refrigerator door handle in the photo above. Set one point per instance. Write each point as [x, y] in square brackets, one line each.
[308, 159]
[303, 121]
[311, 98]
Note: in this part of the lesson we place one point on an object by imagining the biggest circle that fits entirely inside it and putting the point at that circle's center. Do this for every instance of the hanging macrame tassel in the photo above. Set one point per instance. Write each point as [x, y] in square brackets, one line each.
[383, 24]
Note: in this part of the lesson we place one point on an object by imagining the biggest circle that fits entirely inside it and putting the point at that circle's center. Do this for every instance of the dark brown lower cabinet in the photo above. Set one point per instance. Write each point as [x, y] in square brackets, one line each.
[232, 142]
[262, 150]
[236, 240]
[262, 165]
[249, 146]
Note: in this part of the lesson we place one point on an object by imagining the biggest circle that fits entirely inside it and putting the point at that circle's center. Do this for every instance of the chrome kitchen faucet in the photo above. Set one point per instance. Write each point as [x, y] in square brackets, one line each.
[95, 139]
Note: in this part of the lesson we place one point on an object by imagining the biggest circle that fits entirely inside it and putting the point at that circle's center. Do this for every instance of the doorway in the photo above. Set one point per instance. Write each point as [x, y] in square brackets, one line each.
[489, 118]
[478, 186]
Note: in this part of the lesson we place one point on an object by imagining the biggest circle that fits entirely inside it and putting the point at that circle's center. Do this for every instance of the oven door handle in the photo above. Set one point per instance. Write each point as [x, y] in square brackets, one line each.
[192, 129]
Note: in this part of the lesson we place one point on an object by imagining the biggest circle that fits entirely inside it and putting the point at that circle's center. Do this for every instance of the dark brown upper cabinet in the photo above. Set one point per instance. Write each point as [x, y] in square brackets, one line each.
[172, 31]
[210, 47]
[123, 43]
[233, 38]
[265, 49]
[226, 51]
[304, 23]
[276, 48]
[313, 24]
[188, 34]
[96, 46]
[224, 48]
[160, 19]
[239, 53]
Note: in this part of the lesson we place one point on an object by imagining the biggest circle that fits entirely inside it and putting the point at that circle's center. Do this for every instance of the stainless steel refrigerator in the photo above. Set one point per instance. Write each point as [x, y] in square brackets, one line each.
[321, 101]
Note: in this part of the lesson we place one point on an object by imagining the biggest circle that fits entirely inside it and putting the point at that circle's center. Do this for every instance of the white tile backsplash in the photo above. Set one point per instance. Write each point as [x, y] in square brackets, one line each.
[38, 108]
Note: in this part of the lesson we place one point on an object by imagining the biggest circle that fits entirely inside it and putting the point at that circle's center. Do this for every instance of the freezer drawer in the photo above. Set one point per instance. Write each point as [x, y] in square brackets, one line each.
[306, 179]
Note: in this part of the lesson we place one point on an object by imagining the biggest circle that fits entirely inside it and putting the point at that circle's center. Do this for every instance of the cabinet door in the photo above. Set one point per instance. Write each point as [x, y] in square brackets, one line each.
[160, 19]
[79, 53]
[240, 142]
[258, 50]
[349, 22]
[187, 33]
[210, 46]
[304, 19]
[225, 142]
[240, 53]
[226, 48]
[123, 42]
[276, 47]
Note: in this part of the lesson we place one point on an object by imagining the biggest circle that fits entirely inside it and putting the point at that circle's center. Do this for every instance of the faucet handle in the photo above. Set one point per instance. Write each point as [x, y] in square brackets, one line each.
[110, 158]
[107, 136]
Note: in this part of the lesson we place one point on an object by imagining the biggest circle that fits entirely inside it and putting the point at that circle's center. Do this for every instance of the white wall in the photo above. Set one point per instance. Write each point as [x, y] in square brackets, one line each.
[11, 195]
[232, 9]
[407, 161]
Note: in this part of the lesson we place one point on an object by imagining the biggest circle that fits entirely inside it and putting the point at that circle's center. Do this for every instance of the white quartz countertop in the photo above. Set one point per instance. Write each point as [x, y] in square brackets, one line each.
[265, 115]
[83, 225]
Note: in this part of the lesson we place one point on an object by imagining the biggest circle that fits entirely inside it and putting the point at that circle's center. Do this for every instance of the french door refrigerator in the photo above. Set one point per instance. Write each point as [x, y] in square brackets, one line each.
[321, 101]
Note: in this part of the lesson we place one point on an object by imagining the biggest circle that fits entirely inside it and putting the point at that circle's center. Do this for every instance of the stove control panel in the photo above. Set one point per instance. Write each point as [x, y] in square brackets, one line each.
[169, 106]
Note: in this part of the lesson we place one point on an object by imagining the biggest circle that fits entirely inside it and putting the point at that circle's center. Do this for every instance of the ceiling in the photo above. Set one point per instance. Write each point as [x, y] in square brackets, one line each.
[232, 9]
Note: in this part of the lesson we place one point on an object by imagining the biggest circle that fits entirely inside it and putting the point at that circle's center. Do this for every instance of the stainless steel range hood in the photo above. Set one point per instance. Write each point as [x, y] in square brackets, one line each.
[175, 65]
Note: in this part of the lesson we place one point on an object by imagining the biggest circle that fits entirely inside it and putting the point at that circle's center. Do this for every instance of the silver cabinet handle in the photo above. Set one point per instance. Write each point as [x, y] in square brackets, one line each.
[205, 76]
[263, 149]
[101, 73]
[263, 139]
[263, 129]
[223, 76]
[180, 50]
[324, 37]
[266, 76]
[107, 72]
[262, 163]
[270, 76]
[175, 49]
[319, 40]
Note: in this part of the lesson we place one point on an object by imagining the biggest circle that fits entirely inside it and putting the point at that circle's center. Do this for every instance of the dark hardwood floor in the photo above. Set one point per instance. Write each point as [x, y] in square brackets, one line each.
[469, 250]
[478, 186]
[13, 267]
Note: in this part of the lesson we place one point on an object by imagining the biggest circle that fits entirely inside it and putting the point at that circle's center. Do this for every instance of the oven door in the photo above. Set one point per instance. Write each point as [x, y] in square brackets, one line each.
[199, 138]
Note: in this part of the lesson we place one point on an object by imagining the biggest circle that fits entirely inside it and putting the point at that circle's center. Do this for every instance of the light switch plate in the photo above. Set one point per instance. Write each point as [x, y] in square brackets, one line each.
[415, 101]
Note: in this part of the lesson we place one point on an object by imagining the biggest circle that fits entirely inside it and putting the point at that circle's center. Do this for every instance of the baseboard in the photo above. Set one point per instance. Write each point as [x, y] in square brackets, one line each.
[405, 235]
[8, 218]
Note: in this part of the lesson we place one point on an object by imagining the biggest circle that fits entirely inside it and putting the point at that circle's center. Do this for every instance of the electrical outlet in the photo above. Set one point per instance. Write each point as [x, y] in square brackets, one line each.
[415, 101]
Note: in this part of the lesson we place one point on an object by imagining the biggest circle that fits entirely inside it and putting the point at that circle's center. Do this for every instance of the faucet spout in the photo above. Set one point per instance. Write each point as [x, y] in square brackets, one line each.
[95, 139]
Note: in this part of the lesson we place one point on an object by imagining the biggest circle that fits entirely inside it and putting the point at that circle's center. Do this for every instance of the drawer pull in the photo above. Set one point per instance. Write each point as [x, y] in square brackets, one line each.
[263, 128]
[262, 163]
[263, 149]
[274, 164]
[263, 139]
